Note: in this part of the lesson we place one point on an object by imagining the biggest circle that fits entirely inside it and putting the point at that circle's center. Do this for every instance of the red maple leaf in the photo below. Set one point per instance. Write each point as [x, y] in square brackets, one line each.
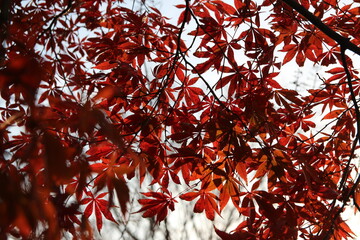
[158, 206]
[100, 206]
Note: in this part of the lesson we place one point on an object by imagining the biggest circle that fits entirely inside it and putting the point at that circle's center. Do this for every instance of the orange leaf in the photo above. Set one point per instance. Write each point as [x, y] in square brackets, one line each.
[333, 114]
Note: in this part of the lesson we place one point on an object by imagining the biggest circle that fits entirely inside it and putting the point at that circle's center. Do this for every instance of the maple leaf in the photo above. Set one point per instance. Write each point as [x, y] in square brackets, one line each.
[233, 236]
[229, 190]
[99, 206]
[157, 206]
[207, 202]
[105, 66]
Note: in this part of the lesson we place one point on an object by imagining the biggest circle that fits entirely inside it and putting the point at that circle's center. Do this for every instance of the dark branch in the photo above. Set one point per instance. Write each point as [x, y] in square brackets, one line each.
[342, 41]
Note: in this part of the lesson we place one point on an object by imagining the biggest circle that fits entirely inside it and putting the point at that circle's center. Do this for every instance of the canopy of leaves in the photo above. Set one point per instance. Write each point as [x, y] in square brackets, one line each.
[94, 93]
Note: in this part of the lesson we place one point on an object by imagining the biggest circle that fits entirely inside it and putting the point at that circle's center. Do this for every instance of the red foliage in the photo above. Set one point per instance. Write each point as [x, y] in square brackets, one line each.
[94, 94]
[158, 206]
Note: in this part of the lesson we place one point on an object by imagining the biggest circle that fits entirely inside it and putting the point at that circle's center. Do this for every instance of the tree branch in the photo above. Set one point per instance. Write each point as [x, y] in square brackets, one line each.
[341, 40]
